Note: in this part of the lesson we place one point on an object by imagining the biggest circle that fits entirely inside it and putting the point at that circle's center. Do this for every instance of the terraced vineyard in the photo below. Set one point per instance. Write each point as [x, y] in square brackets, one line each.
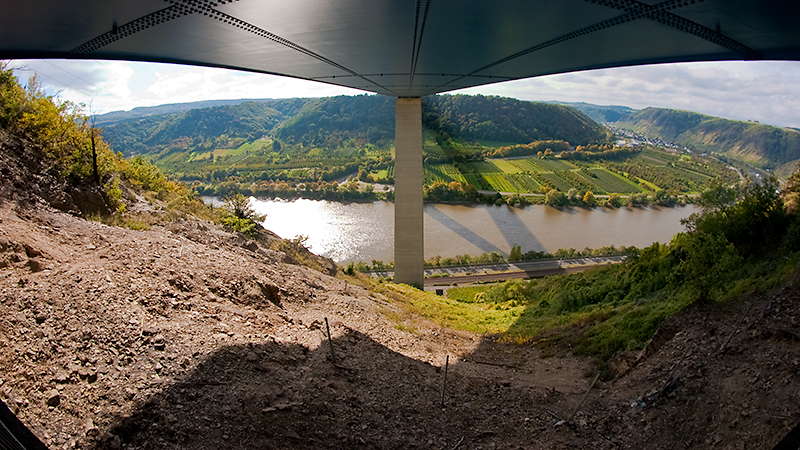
[524, 182]
[501, 182]
[442, 173]
[647, 172]
[610, 182]
[526, 165]
[553, 164]
[553, 181]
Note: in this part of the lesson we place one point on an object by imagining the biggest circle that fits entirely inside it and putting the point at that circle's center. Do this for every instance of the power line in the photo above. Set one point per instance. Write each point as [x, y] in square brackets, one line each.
[141, 66]
[82, 79]
[57, 81]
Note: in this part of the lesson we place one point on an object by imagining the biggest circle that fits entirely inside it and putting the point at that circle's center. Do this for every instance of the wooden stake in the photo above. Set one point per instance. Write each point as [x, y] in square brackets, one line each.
[330, 341]
[444, 384]
[572, 416]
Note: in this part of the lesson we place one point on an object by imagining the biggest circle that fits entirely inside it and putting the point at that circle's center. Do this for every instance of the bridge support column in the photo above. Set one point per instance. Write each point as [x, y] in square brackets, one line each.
[408, 226]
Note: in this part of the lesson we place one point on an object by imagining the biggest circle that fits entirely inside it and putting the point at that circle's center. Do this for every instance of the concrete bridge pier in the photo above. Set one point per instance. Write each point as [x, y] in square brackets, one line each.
[408, 227]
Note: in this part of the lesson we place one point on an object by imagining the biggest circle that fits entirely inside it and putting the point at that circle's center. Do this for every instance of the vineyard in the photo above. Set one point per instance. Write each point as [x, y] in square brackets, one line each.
[649, 171]
[610, 182]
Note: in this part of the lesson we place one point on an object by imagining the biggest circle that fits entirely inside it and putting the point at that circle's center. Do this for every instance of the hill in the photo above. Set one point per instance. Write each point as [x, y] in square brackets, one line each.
[200, 129]
[341, 122]
[600, 113]
[762, 145]
[170, 108]
[501, 119]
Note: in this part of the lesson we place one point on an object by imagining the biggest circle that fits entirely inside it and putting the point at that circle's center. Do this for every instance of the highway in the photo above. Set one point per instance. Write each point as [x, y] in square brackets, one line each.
[448, 276]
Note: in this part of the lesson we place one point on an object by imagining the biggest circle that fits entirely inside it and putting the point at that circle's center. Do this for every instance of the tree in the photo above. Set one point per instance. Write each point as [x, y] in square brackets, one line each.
[754, 224]
[515, 254]
[555, 198]
[705, 262]
[573, 196]
[717, 196]
[93, 138]
[614, 200]
[240, 216]
[639, 198]
[589, 199]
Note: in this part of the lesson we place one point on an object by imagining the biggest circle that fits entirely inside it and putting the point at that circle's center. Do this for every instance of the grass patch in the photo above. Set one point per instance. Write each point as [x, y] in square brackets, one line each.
[473, 317]
[467, 294]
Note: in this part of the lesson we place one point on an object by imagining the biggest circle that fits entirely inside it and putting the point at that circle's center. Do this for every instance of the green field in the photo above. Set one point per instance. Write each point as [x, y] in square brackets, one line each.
[379, 175]
[530, 175]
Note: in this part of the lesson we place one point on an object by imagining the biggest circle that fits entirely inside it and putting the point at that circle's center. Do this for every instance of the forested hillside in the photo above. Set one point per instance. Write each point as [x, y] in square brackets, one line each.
[500, 119]
[200, 129]
[763, 145]
[341, 121]
[169, 108]
[337, 122]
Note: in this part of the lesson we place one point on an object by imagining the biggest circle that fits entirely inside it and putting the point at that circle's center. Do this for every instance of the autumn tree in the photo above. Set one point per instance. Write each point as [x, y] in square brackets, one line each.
[589, 199]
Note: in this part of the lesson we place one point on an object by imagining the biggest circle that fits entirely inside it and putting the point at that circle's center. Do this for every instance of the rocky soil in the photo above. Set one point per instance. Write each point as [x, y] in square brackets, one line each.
[185, 336]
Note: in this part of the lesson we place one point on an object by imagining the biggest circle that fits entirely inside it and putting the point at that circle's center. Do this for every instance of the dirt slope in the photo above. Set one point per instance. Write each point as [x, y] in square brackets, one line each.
[185, 336]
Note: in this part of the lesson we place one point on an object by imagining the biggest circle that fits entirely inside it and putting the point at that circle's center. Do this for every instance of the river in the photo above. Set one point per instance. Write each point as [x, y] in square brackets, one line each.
[365, 231]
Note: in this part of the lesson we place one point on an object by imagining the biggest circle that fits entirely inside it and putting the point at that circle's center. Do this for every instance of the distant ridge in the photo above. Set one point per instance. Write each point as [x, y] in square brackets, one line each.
[344, 122]
[763, 145]
[600, 113]
[170, 108]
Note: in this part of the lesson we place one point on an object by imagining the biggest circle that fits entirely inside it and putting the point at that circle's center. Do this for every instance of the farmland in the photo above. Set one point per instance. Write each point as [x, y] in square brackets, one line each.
[650, 170]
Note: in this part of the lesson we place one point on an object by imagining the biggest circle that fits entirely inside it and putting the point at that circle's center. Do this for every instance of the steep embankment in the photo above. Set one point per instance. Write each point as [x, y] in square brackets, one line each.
[185, 336]
[759, 144]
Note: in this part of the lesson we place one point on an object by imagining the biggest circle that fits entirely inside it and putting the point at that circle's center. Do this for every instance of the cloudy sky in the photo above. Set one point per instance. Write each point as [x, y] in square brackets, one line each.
[765, 91]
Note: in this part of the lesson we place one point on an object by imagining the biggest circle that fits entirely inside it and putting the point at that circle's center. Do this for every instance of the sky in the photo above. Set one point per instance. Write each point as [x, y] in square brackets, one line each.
[768, 92]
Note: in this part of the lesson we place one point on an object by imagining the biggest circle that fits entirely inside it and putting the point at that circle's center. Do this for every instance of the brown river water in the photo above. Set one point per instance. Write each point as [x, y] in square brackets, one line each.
[365, 231]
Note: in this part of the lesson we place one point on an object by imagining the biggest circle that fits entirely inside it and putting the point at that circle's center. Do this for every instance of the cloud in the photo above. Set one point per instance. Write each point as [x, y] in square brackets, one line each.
[123, 85]
[765, 91]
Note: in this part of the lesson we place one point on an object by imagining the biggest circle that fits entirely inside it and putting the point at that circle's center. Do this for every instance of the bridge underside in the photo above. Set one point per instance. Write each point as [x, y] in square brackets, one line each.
[404, 49]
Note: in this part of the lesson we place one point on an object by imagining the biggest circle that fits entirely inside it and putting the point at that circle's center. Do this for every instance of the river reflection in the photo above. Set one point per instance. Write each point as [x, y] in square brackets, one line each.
[365, 231]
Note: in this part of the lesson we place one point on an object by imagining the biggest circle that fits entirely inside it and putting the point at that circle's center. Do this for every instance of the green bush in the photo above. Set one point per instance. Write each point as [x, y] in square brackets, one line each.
[238, 215]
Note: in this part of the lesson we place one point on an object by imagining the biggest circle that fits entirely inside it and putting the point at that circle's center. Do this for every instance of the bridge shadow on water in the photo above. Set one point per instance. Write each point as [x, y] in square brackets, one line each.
[282, 395]
[515, 231]
[461, 230]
